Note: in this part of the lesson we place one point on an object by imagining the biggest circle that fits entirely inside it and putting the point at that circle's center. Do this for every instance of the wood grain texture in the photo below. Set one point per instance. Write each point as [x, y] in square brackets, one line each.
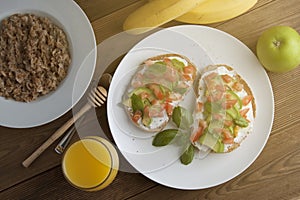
[112, 24]
[124, 186]
[274, 175]
[99, 8]
[269, 13]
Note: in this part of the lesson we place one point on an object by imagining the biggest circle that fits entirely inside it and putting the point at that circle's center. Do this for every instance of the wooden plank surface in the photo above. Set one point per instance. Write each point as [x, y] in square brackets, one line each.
[124, 186]
[96, 9]
[274, 175]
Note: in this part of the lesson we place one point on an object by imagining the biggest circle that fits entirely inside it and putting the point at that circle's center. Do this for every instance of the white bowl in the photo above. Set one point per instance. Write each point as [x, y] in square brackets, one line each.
[68, 16]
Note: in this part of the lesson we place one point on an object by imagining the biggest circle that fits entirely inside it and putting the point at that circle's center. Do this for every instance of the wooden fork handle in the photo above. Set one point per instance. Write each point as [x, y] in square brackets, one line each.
[55, 136]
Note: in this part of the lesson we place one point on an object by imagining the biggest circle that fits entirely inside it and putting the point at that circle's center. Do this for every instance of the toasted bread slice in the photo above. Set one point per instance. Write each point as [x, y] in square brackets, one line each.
[160, 84]
[225, 110]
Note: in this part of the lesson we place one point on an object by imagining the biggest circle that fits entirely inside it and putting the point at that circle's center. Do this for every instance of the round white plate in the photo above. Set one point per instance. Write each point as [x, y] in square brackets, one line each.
[204, 46]
[69, 16]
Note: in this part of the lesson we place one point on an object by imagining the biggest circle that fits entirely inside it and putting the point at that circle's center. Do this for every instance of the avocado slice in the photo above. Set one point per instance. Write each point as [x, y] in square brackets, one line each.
[177, 64]
[219, 147]
[241, 121]
[146, 120]
[212, 142]
[214, 125]
[157, 68]
[139, 104]
[233, 112]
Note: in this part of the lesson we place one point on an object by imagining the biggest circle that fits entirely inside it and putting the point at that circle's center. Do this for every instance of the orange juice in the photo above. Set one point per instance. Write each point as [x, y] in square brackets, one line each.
[90, 164]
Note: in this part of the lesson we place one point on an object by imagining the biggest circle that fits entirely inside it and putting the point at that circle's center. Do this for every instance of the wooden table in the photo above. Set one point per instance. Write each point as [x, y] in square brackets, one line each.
[274, 175]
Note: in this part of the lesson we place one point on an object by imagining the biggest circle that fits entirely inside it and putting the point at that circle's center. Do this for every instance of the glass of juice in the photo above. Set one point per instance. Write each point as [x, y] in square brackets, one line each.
[90, 164]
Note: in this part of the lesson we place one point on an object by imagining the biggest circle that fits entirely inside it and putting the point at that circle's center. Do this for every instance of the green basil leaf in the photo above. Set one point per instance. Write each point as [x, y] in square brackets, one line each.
[164, 137]
[137, 103]
[182, 117]
[188, 155]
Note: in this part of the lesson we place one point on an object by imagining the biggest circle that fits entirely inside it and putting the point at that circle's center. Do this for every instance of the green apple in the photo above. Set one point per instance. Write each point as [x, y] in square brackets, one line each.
[278, 49]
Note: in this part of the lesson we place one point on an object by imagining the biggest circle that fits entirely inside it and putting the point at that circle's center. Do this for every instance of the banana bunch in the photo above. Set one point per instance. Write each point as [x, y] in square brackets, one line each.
[212, 11]
[158, 12]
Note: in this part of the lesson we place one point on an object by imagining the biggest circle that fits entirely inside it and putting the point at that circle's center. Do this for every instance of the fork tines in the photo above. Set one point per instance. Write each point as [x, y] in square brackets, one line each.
[97, 96]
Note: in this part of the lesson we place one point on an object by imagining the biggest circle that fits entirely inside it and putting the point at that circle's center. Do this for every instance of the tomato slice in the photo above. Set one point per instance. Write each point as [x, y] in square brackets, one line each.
[244, 112]
[211, 76]
[226, 133]
[155, 102]
[209, 98]
[190, 70]
[169, 108]
[157, 91]
[137, 116]
[199, 107]
[159, 94]
[230, 103]
[246, 100]
[228, 96]
[187, 77]
[168, 62]
[197, 134]
[202, 125]
[228, 141]
[237, 86]
[228, 123]
[228, 138]
[226, 78]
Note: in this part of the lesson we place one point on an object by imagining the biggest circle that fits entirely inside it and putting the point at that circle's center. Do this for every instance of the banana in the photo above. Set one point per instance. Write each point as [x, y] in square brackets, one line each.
[212, 11]
[156, 13]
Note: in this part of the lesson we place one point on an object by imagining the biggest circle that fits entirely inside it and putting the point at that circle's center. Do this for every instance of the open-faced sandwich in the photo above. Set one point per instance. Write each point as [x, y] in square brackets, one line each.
[225, 110]
[159, 85]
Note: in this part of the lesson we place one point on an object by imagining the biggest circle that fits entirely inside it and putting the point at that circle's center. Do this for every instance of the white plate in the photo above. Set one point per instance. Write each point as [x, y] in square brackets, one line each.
[205, 46]
[69, 16]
